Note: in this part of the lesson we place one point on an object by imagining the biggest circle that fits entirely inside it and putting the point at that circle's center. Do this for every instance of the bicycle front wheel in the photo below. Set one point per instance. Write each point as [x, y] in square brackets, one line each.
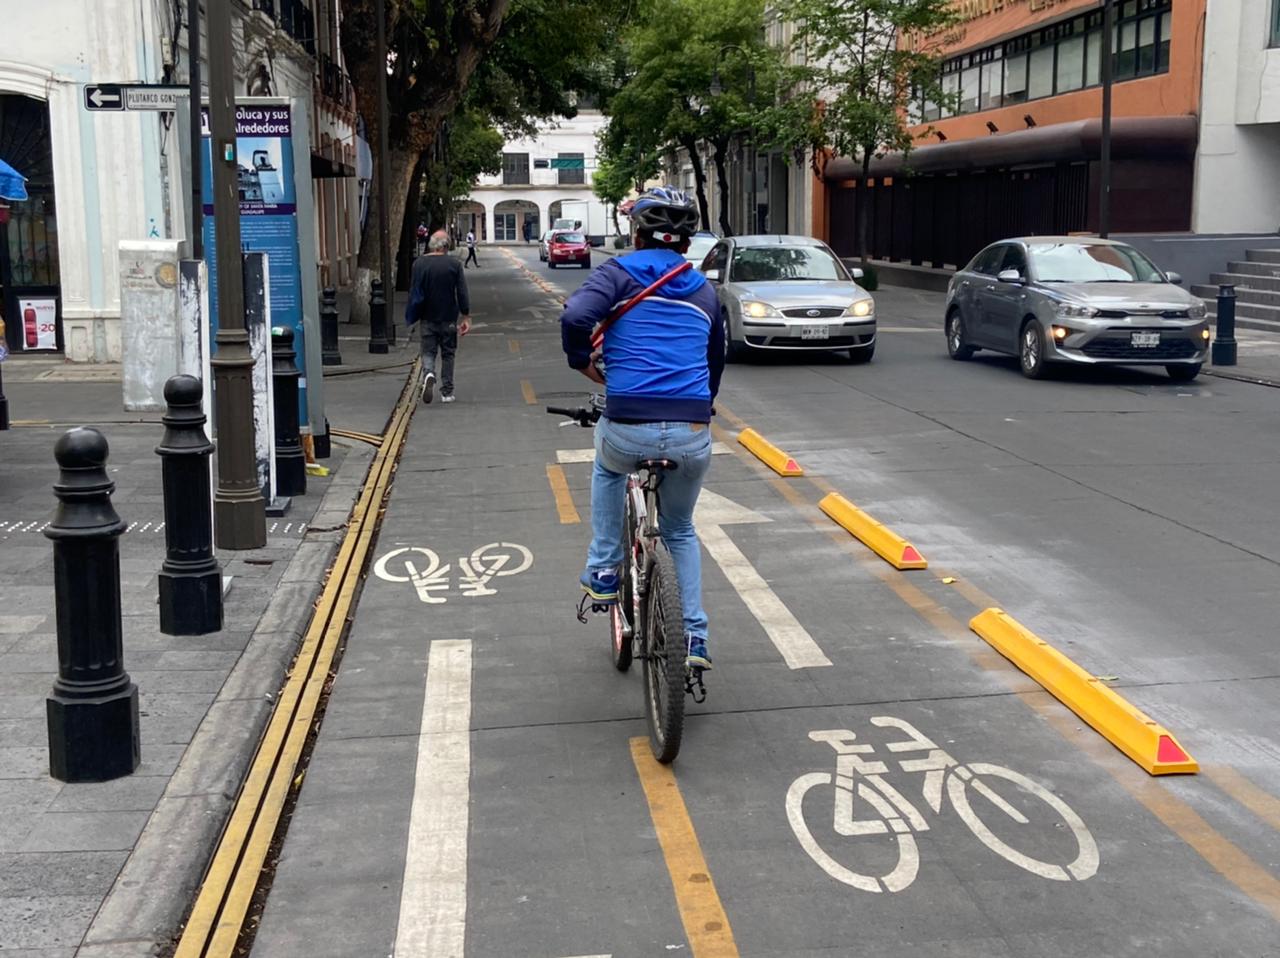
[664, 658]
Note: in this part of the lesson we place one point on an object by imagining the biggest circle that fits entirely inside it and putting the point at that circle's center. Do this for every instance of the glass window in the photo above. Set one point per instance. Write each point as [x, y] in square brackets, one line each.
[969, 90]
[988, 261]
[1070, 64]
[1015, 78]
[718, 258]
[570, 168]
[1040, 79]
[699, 246]
[515, 169]
[1147, 45]
[1093, 58]
[1275, 23]
[1013, 259]
[1092, 263]
[1126, 59]
[991, 73]
[1166, 32]
[950, 87]
[768, 264]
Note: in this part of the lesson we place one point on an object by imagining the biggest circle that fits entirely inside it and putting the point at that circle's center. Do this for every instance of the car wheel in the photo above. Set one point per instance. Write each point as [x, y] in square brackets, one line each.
[957, 344]
[862, 354]
[734, 352]
[1183, 373]
[551, 264]
[1031, 350]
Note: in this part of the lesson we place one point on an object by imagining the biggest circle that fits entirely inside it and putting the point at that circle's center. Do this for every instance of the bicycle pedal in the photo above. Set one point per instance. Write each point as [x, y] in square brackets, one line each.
[693, 685]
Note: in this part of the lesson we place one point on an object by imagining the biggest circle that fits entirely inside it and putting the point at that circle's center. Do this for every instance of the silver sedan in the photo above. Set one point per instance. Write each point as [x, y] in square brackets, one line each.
[789, 293]
[1070, 299]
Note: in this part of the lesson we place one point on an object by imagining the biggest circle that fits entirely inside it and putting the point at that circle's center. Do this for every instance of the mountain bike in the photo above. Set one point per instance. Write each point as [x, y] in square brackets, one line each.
[647, 621]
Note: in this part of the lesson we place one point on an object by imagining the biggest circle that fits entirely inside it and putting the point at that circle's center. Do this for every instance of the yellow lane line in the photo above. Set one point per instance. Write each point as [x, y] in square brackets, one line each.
[526, 390]
[560, 489]
[218, 916]
[705, 923]
[1219, 852]
[1263, 804]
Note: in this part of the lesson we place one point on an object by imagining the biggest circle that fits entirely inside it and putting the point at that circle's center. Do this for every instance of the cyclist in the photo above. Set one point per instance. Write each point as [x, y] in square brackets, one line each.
[664, 358]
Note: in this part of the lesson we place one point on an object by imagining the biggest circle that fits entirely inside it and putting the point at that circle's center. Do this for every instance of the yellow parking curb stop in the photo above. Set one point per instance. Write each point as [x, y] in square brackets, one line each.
[880, 539]
[1120, 722]
[769, 454]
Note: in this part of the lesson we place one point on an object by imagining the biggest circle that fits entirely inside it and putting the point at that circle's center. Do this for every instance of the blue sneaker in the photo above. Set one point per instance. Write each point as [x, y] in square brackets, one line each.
[601, 586]
[698, 658]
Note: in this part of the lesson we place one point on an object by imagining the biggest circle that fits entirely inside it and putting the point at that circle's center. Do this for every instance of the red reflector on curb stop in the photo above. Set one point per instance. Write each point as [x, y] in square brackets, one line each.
[1169, 751]
[792, 466]
[909, 554]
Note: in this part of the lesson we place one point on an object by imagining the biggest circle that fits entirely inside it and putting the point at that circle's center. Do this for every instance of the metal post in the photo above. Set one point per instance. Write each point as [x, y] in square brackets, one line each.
[377, 318]
[1224, 344]
[4, 402]
[329, 352]
[190, 578]
[323, 442]
[239, 509]
[384, 184]
[197, 138]
[1104, 166]
[93, 709]
[291, 462]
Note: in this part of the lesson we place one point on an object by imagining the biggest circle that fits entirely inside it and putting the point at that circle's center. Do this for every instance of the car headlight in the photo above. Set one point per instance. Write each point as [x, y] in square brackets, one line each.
[758, 310]
[1074, 311]
[862, 308]
[1197, 311]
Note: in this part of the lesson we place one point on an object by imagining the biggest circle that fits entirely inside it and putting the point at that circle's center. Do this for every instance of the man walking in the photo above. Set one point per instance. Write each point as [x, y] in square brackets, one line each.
[471, 249]
[438, 297]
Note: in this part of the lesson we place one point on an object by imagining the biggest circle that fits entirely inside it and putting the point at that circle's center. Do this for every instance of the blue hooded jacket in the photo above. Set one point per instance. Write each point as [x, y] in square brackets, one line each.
[664, 357]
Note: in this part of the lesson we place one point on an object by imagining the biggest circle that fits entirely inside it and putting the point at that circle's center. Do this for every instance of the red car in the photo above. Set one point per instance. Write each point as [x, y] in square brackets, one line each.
[568, 247]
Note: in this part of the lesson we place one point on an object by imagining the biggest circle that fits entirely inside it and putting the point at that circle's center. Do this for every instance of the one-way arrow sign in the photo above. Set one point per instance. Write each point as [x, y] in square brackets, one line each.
[103, 96]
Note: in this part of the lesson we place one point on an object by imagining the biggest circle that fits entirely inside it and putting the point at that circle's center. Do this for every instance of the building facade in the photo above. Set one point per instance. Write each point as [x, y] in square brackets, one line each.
[96, 179]
[539, 175]
[1016, 148]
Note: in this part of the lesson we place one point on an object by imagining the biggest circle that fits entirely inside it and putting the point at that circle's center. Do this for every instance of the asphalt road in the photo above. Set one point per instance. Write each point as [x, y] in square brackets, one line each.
[474, 790]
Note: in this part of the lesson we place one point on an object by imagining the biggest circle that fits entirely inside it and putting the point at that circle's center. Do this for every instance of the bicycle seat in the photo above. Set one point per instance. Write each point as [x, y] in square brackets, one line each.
[656, 465]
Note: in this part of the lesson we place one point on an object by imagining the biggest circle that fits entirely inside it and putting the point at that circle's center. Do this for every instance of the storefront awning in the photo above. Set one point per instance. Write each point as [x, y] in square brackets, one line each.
[1146, 136]
[13, 185]
[323, 167]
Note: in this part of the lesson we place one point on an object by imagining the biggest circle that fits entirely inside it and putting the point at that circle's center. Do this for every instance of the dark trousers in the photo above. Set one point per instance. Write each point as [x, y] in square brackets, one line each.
[441, 338]
[471, 257]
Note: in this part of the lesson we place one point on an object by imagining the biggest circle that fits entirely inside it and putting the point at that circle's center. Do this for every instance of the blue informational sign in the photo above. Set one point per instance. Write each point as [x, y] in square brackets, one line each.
[268, 218]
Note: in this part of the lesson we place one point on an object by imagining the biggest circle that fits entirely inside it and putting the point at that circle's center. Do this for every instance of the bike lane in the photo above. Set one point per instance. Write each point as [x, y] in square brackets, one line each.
[473, 789]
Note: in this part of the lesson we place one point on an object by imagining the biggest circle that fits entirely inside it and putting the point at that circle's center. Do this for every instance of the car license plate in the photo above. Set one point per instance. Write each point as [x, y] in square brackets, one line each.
[815, 332]
[1145, 340]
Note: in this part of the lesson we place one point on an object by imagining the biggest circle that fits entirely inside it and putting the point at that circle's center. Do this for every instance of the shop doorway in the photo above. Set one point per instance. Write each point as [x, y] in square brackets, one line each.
[30, 292]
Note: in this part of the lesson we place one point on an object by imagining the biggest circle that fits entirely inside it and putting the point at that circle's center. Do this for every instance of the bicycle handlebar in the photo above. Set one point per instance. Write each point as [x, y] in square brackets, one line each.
[584, 416]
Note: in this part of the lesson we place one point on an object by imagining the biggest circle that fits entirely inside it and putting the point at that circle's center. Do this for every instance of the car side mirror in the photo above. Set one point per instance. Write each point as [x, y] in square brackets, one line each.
[713, 274]
[1009, 276]
[857, 273]
[1174, 278]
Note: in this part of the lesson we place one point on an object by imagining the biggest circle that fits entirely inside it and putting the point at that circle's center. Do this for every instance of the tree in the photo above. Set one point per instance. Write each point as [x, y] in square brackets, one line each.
[866, 63]
[468, 146]
[611, 183]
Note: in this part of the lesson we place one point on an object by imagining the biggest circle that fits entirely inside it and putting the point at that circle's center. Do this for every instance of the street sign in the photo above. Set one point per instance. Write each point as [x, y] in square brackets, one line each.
[99, 97]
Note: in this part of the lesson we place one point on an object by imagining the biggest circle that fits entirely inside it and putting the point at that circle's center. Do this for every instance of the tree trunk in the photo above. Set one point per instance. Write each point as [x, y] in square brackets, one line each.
[407, 248]
[860, 210]
[699, 179]
[722, 182]
[369, 262]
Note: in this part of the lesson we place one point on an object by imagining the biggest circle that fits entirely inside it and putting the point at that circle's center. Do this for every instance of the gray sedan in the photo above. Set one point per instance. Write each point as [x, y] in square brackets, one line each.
[789, 293]
[1070, 299]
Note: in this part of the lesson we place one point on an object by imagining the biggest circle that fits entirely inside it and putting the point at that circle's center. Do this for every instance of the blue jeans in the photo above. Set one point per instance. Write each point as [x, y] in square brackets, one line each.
[619, 446]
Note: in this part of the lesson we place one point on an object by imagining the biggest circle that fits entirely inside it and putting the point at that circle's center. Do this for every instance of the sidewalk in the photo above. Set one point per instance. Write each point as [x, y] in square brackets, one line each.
[107, 870]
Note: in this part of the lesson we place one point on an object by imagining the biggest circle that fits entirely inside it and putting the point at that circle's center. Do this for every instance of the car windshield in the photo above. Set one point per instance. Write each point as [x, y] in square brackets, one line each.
[699, 247]
[1091, 263]
[767, 264]
[569, 238]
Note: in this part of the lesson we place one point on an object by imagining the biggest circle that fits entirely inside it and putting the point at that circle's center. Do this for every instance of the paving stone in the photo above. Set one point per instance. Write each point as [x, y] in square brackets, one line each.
[85, 831]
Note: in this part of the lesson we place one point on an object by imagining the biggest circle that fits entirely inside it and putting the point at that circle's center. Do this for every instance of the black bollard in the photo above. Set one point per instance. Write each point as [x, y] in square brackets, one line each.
[377, 319]
[190, 578]
[4, 403]
[1224, 344]
[330, 355]
[291, 461]
[323, 442]
[93, 711]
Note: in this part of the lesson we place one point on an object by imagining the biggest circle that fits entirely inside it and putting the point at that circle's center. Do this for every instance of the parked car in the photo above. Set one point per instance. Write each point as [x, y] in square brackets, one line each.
[568, 247]
[1070, 299]
[544, 244]
[789, 293]
[699, 246]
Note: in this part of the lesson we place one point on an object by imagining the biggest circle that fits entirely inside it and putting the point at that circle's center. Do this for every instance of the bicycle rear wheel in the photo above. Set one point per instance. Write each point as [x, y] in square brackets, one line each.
[622, 617]
[665, 658]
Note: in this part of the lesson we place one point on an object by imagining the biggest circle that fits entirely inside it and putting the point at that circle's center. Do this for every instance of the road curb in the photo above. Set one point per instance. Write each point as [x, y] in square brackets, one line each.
[159, 879]
[876, 536]
[1242, 378]
[1152, 746]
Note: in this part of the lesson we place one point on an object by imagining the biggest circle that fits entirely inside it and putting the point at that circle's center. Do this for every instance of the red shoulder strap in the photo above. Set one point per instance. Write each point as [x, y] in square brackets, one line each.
[597, 337]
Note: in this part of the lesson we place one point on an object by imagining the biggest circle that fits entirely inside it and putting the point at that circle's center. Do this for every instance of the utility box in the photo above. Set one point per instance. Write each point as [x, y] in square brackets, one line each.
[149, 327]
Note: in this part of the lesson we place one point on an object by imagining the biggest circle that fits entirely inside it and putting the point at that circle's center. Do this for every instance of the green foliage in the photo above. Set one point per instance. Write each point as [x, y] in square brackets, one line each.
[468, 147]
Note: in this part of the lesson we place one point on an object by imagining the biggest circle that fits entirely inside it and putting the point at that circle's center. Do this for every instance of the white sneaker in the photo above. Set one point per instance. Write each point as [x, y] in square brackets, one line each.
[448, 398]
[429, 387]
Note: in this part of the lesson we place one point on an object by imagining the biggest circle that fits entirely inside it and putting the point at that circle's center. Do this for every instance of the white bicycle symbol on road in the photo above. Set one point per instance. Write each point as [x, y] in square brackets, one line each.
[860, 786]
[422, 567]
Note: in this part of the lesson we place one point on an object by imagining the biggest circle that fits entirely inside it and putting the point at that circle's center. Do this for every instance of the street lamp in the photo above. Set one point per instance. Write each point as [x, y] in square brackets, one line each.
[716, 90]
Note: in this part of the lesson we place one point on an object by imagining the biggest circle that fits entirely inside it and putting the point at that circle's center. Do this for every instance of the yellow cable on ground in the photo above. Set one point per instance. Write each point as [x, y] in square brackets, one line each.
[219, 913]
